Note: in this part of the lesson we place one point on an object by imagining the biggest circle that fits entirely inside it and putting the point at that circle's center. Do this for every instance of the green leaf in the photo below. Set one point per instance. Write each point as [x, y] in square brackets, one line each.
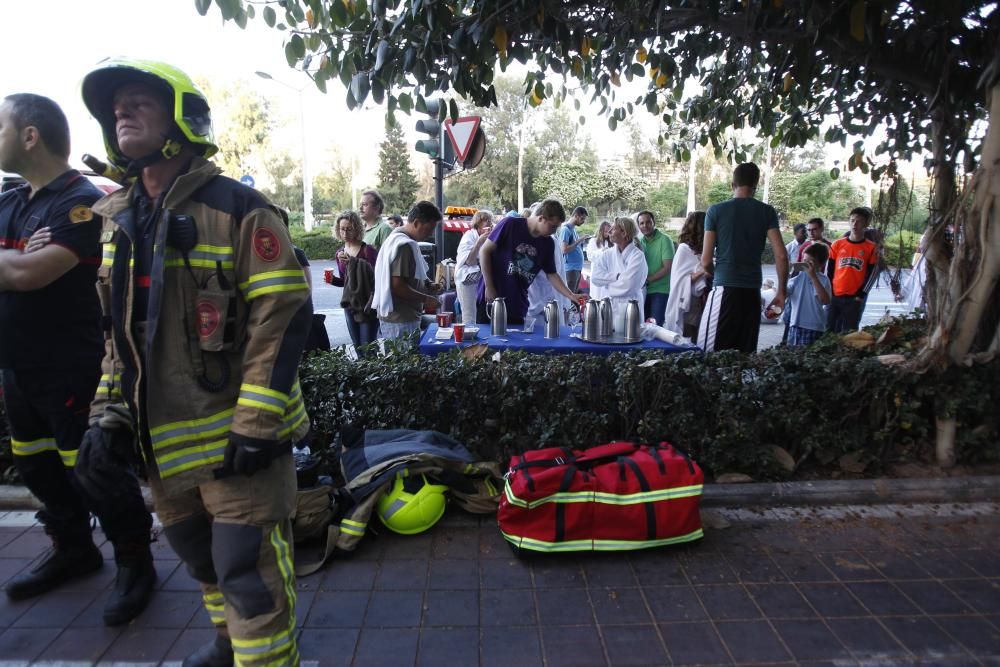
[405, 102]
[290, 56]
[202, 6]
[298, 46]
[360, 87]
[269, 16]
[241, 19]
[835, 173]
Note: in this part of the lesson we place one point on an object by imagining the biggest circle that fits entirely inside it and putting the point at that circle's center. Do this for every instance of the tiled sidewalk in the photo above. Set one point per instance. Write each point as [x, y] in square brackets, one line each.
[893, 586]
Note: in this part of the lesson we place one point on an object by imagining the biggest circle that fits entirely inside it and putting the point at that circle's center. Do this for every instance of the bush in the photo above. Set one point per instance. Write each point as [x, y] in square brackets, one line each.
[727, 409]
[901, 256]
[668, 201]
[318, 244]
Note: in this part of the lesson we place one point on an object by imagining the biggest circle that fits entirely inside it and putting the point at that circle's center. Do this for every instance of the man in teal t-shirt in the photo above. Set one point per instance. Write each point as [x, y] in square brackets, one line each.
[659, 251]
[735, 231]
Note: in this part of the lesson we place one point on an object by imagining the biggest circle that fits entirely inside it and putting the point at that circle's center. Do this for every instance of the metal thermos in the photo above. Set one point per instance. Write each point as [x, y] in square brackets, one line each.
[498, 317]
[592, 321]
[607, 317]
[552, 319]
[632, 321]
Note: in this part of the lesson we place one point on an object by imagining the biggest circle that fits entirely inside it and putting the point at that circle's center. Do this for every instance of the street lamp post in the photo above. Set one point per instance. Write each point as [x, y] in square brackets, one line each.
[307, 216]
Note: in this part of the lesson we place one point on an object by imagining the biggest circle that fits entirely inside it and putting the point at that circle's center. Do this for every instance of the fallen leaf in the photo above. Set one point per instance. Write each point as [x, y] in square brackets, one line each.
[851, 462]
[710, 519]
[733, 478]
[891, 359]
[475, 351]
[649, 363]
[783, 458]
[890, 334]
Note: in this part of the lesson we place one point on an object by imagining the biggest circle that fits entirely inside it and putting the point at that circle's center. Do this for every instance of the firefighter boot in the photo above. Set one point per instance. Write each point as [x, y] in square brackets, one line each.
[72, 555]
[216, 653]
[133, 583]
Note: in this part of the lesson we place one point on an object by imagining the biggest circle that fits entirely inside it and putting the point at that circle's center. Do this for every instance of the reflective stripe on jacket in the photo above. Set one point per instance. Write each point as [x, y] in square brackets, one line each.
[235, 312]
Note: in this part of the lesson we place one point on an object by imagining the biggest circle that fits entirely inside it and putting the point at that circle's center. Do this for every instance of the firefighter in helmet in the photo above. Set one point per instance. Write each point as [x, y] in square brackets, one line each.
[209, 311]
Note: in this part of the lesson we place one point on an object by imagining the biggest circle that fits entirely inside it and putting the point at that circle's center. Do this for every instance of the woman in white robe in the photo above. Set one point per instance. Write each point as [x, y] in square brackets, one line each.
[467, 273]
[687, 279]
[621, 272]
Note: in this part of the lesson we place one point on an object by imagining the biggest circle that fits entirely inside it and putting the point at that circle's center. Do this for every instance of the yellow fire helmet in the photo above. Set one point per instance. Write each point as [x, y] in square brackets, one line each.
[412, 505]
[192, 116]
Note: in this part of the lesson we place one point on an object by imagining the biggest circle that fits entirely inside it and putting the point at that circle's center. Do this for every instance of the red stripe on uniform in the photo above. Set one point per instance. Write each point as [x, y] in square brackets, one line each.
[143, 281]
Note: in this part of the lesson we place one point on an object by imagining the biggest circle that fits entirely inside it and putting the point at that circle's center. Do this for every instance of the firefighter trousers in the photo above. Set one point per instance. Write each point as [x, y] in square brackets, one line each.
[47, 411]
[234, 536]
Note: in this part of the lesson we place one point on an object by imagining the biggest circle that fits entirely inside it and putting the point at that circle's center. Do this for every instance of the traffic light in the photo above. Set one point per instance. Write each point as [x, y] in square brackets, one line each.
[430, 126]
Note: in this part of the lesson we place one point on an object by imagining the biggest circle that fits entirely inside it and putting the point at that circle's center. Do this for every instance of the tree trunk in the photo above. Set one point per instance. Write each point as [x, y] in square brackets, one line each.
[962, 276]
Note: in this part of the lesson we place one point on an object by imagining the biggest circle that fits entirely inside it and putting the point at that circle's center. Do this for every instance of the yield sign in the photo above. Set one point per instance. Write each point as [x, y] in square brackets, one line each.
[462, 133]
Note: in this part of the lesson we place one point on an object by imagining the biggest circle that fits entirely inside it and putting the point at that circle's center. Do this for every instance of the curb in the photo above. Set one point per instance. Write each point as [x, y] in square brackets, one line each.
[854, 492]
[775, 494]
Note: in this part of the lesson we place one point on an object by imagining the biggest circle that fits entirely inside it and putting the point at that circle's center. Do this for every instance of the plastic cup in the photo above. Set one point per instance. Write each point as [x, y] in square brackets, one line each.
[459, 332]
[445, 318]
[328, 276]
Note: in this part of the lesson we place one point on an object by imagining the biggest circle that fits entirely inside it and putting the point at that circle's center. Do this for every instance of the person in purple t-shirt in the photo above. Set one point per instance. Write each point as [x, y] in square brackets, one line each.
[515, 252]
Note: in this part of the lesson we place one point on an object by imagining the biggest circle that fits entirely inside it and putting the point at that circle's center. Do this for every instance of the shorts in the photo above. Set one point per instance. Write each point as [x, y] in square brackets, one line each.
[731, 320]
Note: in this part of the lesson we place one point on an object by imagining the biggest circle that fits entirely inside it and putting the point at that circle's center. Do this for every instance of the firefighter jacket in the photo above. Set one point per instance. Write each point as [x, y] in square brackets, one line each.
[228, 313]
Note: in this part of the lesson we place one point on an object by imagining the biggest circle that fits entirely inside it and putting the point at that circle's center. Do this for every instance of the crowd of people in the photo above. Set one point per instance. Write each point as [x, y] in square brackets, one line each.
[182, 365]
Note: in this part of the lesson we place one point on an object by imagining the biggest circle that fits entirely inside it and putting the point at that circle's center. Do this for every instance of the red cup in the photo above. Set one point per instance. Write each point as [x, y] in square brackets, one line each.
[444, 319]
[430, 310]
[328, 276]
[459, 330]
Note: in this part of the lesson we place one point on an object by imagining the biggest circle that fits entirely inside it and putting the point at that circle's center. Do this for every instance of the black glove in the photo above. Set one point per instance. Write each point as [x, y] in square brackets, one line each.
[246, 456]
[101, 462]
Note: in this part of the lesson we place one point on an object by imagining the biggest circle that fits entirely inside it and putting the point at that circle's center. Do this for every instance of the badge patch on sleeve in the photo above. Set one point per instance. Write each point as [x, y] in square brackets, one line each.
[80, 213]
[266, 244]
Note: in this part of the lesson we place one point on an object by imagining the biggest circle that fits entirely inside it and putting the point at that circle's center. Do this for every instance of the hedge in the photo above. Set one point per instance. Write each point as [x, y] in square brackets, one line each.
[821, 404]
[318, 244]
[728, 409]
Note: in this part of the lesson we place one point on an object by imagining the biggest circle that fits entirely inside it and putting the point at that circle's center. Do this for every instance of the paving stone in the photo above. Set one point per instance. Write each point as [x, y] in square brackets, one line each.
[780, 601]
[976, 634]
[504, 574]
[619, 606]
[456, 543]
[810, 640]
[189, 641]
[510, 645]
[451, 608]
[493, 545]
[604, 570]
[849, 566]
[801, 568]
[141, 645]
[933, 597]
[388, 647]
[394, 609]
[405, 547]
[674, 603]
[11, 610]
[55, 609]
[756, 568]
[572, 646]
[443, 646]
[982, 561]
[564, 606]
[866, 638]
[832, 600]
[349, 575]
[550, 574]
[751, 641]
[340, 609]
[26, 643]
[983, 596]
[896, 565]
[709, 570]
[653, 569]
[452, 574]
[499, 607]
[882, 598]
[694, 644]
[633, 645]
[942, 564]
[329, 647]
[922, 636]
[728, 602]
[402, 575]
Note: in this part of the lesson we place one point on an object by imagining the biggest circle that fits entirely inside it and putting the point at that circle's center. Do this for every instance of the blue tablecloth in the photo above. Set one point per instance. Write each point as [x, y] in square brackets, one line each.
[537, 343]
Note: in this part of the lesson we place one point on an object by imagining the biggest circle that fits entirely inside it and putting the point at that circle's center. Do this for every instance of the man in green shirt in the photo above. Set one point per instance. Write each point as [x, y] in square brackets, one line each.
[371, 207]
[659, 251]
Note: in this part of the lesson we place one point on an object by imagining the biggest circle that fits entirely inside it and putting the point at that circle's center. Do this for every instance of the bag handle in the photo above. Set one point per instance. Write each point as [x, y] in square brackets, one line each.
[608, 452]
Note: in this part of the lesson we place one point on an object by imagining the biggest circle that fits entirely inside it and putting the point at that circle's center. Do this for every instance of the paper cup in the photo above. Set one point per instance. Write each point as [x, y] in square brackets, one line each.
[459, 332]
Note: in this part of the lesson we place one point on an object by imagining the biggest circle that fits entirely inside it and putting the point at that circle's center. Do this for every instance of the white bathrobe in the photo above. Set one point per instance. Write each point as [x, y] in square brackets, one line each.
[621, 276]
[540, 291]
[682, 291]
[394, 244]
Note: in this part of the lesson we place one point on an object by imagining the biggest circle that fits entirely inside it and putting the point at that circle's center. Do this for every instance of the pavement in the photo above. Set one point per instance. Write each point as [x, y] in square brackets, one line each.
[903, 584]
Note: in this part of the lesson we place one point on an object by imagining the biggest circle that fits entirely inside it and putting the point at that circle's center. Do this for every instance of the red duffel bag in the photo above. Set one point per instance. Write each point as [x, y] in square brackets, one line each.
[615, 497]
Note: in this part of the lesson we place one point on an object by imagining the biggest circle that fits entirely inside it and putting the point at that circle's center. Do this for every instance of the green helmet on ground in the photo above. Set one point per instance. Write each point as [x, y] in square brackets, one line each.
[191, 114]
[412, 505]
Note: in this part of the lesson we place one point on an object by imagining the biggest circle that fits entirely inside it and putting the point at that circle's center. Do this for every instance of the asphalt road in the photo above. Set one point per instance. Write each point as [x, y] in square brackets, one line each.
[326, 300]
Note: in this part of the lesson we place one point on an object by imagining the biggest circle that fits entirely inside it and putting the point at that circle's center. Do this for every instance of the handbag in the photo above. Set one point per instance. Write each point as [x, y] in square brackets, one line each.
[620, 496]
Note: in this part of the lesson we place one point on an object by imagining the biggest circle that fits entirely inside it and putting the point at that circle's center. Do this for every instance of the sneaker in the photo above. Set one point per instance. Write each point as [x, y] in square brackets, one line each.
[61, 564]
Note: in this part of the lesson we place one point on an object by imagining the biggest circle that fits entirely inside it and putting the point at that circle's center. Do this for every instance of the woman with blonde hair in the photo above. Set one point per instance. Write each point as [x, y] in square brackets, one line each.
[688, 285]
[356, 274]
[600, 242]
[621, 272]
[467, 272]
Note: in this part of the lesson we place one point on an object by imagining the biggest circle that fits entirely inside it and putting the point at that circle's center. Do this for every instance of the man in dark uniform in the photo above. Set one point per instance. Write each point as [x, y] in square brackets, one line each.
[51, 346]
